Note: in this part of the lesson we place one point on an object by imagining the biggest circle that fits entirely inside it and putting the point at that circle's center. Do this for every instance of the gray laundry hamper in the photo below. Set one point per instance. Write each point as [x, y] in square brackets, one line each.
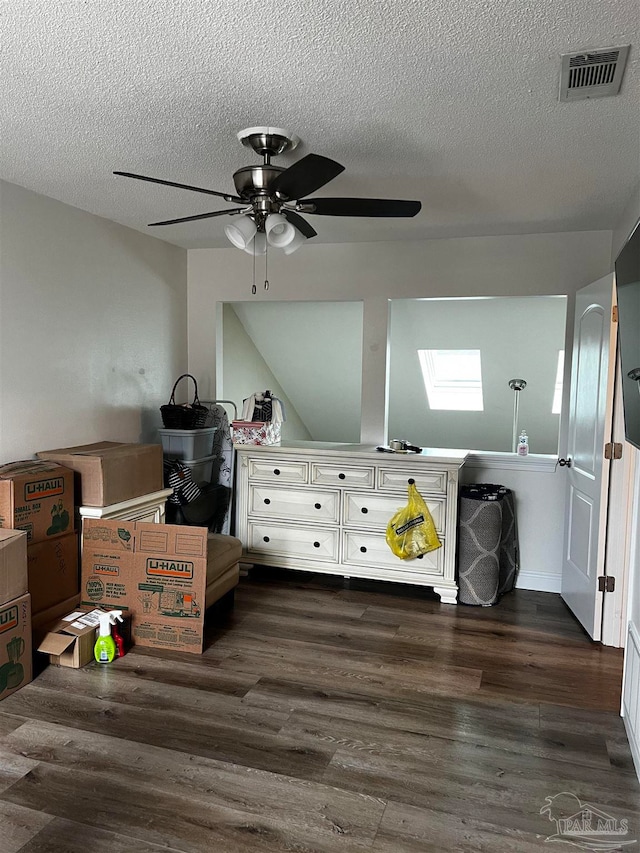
[488, 559]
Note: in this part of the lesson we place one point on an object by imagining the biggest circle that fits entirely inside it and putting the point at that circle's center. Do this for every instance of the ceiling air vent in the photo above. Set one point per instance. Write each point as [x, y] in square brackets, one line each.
[592, 73]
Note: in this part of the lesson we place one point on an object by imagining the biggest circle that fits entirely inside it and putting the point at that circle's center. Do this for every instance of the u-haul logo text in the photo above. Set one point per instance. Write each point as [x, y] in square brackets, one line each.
[104, 569]
[169, 568]
[8, 619]
[38, 489]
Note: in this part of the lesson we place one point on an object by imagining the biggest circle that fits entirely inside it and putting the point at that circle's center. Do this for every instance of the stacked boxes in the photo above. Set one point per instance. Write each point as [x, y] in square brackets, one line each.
[15, 613]
[39, 578]
[38, 498]
[53, 572]
[110, 472]
[13, 564]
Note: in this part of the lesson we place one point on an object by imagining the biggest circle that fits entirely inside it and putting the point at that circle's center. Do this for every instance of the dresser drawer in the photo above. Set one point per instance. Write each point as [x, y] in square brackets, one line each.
[371, 549]
[373, 509]
[278, 471]
[304, 504]
[390, 479]
[284, 540]
[342, 475]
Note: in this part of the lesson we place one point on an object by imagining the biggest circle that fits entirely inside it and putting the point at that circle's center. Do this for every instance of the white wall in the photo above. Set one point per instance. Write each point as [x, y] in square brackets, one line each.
[628, 220]
[515, 337]
[631, 689]
[93, 326]
[631, 681]
[537, 264]
[315, 351]
[538, 491]
[244, 371]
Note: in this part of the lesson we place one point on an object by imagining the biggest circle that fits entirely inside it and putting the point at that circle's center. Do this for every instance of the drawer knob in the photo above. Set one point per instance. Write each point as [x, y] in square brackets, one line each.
[316, 544]
[420, 556]
[363, 549]
[411, 481]
[341, 476]
[265, 538]
[267, 501]
[276, 471]
[318, 506]
[364, 510]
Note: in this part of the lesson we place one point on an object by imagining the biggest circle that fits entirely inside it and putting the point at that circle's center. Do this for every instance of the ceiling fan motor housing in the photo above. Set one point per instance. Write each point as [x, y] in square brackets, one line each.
[255, 180]
[252, 182]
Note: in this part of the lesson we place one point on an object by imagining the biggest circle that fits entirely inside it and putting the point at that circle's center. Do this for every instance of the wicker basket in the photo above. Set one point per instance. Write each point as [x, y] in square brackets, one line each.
[186, 415]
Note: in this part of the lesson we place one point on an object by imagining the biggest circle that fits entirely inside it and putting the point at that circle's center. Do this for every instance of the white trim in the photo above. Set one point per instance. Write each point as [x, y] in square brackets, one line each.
[130, 509]
[620, 522]
[629, 711]
[539, 581]
[495, 459]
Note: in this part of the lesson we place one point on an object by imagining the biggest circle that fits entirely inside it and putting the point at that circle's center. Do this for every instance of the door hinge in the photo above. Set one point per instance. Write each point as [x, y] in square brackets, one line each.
[606, 583]
[613, 450]
[614, 314]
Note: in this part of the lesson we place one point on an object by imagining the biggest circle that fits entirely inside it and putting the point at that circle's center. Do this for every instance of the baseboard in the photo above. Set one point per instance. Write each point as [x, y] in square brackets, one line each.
[540, 581]
[633, 746]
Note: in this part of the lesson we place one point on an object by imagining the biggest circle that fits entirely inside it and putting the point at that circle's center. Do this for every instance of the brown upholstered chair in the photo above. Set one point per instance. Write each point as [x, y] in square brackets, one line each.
[223, 569]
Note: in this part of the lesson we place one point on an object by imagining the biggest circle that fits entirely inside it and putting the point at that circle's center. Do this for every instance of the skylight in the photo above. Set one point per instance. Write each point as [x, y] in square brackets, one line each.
[452, 379]
[557, 392]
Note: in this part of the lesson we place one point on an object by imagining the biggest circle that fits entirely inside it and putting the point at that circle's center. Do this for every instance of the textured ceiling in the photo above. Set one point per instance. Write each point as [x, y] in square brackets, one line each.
[453, 103]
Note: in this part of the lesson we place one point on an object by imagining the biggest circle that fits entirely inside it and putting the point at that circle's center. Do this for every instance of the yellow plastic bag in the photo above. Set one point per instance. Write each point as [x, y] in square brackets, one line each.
[411, 532]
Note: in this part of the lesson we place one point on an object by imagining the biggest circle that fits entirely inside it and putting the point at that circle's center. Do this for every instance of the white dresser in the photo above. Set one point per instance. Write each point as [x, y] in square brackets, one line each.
[324, 507]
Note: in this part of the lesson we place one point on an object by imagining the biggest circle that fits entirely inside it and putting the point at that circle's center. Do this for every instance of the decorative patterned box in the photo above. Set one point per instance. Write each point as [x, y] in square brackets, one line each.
[256, 432]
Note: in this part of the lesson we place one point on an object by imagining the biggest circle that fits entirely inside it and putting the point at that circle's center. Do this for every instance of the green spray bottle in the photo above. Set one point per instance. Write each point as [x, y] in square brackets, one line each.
[104, 650]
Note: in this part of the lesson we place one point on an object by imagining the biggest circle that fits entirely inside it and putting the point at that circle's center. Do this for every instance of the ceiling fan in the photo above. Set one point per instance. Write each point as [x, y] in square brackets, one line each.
[271, 198]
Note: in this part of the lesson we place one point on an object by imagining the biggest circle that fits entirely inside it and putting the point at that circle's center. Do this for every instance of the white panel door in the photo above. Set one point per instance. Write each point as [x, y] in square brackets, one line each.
[590, 415]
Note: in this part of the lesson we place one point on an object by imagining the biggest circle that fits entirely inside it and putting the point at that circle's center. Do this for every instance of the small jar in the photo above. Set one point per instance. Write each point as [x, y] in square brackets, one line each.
[523, 444]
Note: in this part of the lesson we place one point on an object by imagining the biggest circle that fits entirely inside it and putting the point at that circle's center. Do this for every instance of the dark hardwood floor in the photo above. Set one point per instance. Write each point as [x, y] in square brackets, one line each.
[325, 718]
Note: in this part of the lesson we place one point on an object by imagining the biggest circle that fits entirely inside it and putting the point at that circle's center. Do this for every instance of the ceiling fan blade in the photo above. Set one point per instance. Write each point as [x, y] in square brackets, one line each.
[306, 176]
[198, 216]
[298, 222]
[225, 196]
[361, 207]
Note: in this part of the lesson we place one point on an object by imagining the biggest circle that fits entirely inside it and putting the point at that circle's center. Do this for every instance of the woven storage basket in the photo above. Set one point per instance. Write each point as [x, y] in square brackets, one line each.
[186, 415]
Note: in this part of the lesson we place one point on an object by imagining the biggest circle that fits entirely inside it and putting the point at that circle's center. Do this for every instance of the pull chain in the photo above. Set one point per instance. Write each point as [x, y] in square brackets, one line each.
[253, 288]
[266, 266]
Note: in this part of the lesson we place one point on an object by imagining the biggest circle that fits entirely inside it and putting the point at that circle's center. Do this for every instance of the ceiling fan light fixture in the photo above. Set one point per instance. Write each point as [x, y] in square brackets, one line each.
[271, 197]
[258, 245]
[294, 245]
[241, 232]
[279, 232]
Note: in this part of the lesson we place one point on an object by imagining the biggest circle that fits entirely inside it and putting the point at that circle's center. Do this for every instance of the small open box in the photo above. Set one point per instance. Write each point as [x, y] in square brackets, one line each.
[70, 642]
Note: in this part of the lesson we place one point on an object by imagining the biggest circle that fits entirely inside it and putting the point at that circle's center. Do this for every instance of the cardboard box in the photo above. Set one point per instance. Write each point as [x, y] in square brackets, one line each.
[71, 640]
[13, 564]
[110, 472]
[37, 497]
[256, 432]
[42, 622]
[156, 573]
[53, 571]
[15, 645]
